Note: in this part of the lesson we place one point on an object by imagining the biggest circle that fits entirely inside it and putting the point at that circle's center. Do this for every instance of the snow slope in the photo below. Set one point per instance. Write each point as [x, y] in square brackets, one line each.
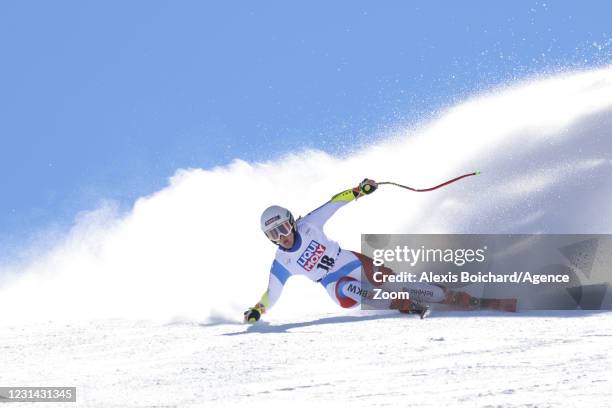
[454, 359]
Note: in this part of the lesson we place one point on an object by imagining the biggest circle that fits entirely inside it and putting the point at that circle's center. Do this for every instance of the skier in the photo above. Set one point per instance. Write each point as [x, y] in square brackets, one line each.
[304, 249]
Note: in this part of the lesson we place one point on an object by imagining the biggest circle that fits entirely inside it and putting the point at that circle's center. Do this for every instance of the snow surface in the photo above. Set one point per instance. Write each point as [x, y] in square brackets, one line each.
[142, 308]
[456, 359]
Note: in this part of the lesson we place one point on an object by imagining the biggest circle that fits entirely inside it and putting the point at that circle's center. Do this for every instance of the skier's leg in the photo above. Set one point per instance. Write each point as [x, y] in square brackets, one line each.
[419, 292]
[463, 300]
[344, 285]
[459, 298]
[369, 268]
[427, 293]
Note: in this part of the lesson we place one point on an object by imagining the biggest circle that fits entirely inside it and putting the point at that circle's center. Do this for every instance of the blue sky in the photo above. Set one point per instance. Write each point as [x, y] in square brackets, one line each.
[105, 100]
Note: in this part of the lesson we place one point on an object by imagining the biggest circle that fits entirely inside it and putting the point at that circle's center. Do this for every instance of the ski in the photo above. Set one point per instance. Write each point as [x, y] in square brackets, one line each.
[506, 305]
[464, 301]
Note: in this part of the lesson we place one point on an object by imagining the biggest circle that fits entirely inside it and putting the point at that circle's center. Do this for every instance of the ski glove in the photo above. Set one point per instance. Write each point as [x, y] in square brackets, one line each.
[252, 315]
[367, 186]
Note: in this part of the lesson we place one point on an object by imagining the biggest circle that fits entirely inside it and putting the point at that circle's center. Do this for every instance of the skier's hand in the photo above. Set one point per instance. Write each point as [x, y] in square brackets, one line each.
[252, 315]
[367, 186]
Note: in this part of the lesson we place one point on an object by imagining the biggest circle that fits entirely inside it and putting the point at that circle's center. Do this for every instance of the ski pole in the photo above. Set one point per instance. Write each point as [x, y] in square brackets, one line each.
[421, 190]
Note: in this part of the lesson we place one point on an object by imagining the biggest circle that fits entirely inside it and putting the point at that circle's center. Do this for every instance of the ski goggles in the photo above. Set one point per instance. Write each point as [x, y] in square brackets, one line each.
[274, 234]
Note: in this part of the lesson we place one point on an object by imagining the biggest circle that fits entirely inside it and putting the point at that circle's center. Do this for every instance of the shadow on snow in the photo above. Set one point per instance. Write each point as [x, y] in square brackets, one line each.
[266, 327]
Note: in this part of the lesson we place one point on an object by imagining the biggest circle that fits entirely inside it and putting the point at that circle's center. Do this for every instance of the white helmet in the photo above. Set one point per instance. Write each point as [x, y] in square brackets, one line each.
[277, 221]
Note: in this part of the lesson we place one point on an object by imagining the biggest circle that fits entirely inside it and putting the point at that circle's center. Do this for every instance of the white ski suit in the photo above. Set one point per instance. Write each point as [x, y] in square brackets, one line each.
[322, 260]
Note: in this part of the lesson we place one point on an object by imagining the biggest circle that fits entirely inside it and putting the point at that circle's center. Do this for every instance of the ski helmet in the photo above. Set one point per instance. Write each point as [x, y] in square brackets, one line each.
[277, 221]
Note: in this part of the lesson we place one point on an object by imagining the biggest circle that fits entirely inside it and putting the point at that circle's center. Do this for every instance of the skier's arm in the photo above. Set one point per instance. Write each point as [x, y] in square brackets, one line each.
[278, 276]
[324, 213]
